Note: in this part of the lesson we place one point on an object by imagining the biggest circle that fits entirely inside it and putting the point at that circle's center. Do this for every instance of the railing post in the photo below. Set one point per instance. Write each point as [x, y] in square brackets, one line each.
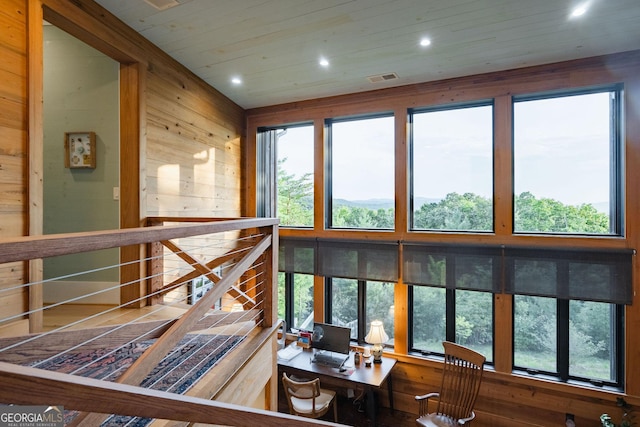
[156, 277]
[155, 282]
[271, 279]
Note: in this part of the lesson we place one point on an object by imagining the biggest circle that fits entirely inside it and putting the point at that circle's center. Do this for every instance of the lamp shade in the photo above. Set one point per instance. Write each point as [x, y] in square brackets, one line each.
[376, 334]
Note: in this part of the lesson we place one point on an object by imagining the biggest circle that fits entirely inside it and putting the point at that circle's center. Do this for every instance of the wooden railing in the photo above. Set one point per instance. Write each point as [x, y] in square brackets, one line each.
[238, 260]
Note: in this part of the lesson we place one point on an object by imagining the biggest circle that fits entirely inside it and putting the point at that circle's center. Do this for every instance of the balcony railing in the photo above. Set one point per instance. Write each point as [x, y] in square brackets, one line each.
[185, 307]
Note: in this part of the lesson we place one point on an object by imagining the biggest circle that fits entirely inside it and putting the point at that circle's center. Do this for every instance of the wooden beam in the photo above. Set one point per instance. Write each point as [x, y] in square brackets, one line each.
[34, 247]
[36, 157]
[132, 268]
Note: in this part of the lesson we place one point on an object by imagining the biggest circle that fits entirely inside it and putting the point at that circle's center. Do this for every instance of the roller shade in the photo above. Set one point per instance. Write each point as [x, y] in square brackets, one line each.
[358, 260]
[596, 275]
[457, 267]
[297, 255]
[589, 275]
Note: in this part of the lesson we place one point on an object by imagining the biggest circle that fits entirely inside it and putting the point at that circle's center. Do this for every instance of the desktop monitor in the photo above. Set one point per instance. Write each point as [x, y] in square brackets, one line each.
[332, 338]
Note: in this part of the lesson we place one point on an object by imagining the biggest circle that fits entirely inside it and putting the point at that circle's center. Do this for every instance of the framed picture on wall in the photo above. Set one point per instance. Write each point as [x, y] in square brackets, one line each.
[80, 150]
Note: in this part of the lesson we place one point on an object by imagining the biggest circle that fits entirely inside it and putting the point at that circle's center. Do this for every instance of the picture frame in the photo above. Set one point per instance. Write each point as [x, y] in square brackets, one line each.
[304, 339]
[304, 342]
[80, 150]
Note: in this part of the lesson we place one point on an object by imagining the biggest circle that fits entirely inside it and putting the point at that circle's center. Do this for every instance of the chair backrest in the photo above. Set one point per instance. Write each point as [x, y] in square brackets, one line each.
[461, 378]
[301, 390]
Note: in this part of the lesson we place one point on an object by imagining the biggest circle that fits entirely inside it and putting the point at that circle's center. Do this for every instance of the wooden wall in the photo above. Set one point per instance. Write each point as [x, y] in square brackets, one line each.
[180, 138]
[506, 399]
[193, 147]
[13, 143]
[183, 154]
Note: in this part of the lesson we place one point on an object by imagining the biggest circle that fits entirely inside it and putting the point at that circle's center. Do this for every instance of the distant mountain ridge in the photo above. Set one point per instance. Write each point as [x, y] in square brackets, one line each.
[376, 204]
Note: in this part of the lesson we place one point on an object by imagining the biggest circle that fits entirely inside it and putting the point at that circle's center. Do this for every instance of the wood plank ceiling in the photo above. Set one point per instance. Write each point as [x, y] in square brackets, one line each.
[274, 46]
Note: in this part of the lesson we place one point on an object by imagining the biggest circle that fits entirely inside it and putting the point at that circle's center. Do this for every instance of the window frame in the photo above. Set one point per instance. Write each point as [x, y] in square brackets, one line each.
[328, 181]
[563, 351]
[289, 295]
[450, 322]
[267, 162]
[361, 308]
[410, 161]
[616, 150]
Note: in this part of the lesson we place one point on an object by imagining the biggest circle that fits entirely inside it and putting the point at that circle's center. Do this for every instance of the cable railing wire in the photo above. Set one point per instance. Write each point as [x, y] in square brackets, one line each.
[115, 329]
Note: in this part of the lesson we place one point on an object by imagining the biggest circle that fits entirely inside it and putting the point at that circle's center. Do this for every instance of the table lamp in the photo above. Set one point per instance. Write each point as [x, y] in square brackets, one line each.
[376, 336]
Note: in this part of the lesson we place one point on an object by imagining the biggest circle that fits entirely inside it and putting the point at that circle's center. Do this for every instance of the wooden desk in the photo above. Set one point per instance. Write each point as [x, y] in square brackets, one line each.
[369, 378]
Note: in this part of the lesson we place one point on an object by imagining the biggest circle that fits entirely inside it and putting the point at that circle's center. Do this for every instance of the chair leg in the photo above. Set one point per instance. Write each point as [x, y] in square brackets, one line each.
[335, 409]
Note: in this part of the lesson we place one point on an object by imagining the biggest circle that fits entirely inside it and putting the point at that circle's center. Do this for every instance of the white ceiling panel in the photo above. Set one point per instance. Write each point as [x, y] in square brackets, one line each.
[274, 45]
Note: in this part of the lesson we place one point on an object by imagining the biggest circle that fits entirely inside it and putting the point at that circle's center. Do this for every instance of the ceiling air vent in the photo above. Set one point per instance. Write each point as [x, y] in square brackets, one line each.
[382, 77]
[163, 4]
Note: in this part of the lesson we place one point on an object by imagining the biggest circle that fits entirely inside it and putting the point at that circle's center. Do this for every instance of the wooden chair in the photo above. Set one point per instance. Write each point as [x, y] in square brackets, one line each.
[307, 399]
[461, 380]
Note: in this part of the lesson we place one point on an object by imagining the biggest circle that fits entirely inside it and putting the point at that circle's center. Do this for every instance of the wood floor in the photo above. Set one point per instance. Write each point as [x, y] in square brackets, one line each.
[349, 412]
[80, 316]
[352, 413]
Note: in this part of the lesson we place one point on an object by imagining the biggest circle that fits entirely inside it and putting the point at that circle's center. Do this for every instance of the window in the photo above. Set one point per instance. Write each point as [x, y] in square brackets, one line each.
[594, 341]
[379, 306]
[464, 317]
[452, 295]
[361, 179]
[295, 300]
[344, 307]
[575, 139]
[355, 303]
[285, 174]
[452, 169]
[296, 266]
[535, 330]
[429, 318]
[568, 312]
[295, 176]
[573, 340]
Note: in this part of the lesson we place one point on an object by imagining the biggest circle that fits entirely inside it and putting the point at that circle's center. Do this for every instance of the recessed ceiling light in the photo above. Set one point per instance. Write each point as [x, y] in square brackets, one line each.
[236, 80]
[425, 42]
[324, 62]
[578, 11]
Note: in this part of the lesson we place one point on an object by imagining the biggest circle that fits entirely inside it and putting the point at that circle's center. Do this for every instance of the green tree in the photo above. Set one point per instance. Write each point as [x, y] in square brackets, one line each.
[551, 216]
[295, 198]
[474, 309]
[302, 298]
[534, 319]
[428, 316]
[344, 302]
[535, 324]
[379, 303]
[456, 212]
[593, 320]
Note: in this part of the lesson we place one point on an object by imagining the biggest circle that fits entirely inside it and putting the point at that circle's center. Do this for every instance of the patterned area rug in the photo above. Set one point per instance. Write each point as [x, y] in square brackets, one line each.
[177, 372]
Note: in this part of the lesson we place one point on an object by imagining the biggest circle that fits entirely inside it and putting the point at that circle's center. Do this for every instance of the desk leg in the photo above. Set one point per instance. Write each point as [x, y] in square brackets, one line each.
[371, 401]
[371, 406]
[390, 391]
